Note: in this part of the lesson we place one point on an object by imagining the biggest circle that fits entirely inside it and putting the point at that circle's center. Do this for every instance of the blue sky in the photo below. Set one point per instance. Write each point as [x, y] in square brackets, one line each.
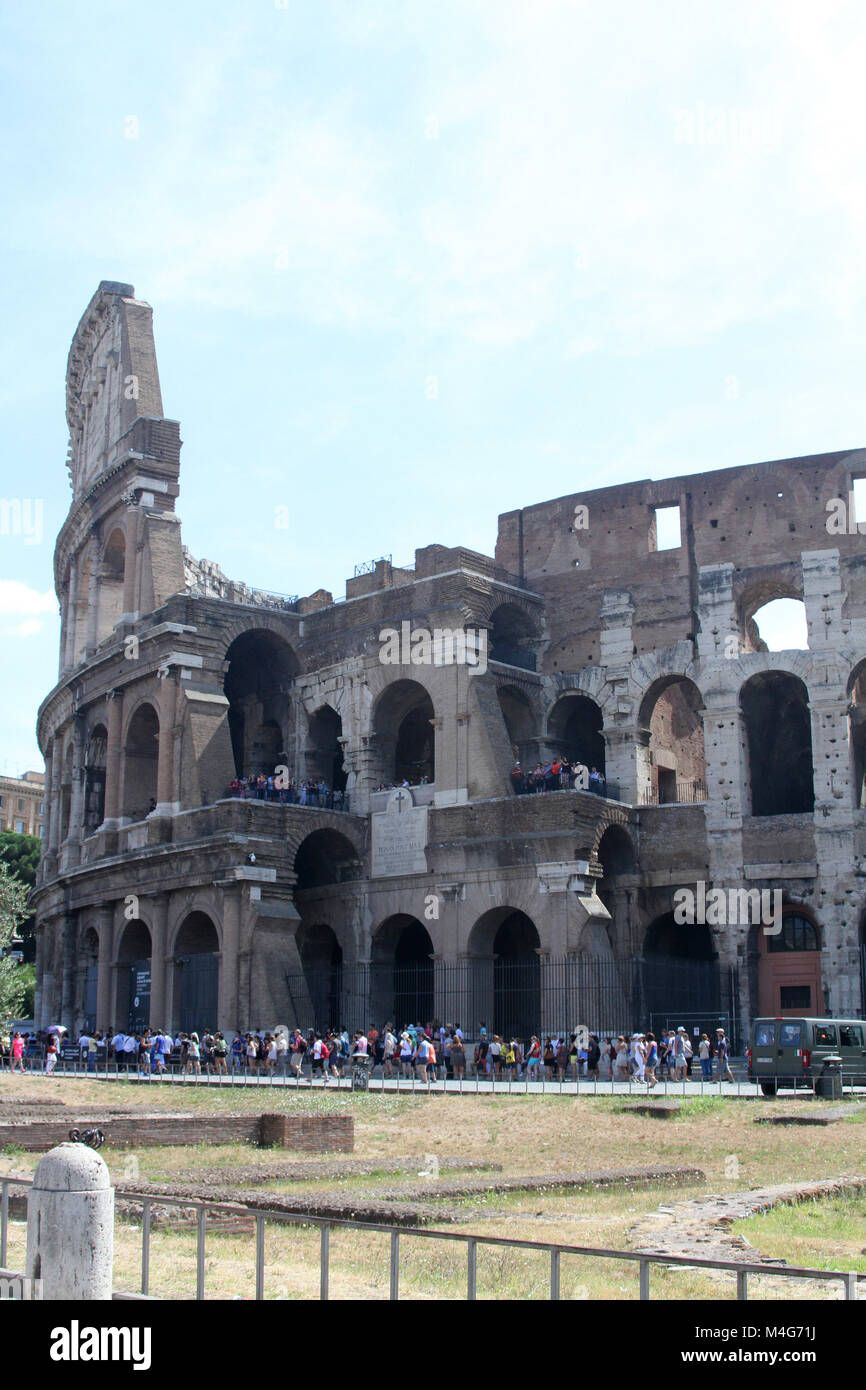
[415, 264]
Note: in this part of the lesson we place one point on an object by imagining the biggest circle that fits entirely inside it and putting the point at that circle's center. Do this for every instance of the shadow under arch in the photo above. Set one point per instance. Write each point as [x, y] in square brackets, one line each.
[506, 979]
[401, 972]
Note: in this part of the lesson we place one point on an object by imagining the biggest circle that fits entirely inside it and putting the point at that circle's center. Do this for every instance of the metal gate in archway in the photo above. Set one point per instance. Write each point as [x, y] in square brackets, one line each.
[199, 991]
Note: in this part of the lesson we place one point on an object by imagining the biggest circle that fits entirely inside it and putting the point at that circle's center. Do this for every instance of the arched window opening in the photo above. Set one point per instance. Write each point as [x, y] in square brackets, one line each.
[133, 956]
[402, 985]
[507, 977]
[680, 977]
[519, 724]
[512, 636]
[778, 626]
[196, 963]
[94, 779]
[857, 734]
[322, 962]
[323, 858]
[111, 581]
[775, 709]
[325, 751]
[262, 669]
[575, 727]
[141, 760]
[676, 770]
[406, 741]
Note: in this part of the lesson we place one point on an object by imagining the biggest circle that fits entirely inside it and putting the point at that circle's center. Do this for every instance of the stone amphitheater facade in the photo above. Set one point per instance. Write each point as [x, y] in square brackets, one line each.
[162, 898]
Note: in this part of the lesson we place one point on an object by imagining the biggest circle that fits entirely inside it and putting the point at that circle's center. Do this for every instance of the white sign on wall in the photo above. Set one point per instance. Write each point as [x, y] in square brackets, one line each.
[399, 837]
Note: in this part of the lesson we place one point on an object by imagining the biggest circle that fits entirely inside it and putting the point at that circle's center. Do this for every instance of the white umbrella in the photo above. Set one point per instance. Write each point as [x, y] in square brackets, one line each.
[56, 1028]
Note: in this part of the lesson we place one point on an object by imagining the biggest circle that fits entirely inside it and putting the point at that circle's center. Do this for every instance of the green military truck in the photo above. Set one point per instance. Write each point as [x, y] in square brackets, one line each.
[788, 1052]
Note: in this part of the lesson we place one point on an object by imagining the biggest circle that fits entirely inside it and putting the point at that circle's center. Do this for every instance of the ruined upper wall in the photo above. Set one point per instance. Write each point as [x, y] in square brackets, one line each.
[758, 518]
[112, 379]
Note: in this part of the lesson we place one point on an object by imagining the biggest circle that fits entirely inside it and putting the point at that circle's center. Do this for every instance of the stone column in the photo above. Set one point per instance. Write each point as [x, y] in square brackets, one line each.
[130, 571]
[228, 1009]
[104, 991]
[113, 758]
[68, 933]
[158, 964]
[70, 1225]
[92, 638]
[71, 607]
[76, 803]
[165, 765]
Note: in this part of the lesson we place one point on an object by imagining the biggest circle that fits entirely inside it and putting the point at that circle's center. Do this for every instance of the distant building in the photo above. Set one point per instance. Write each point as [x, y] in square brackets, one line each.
[22, 803]
[734, 775]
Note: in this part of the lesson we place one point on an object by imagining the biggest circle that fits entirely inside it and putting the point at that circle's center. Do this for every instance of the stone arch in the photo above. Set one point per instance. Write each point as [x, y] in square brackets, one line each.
[402, 988]
[775, 707]
[321, 957]
[140, 761]
[324, 752]
[513, 636]
[574, 728]
[521, 722]
[672, 760]
[786, 966]
[404, 728]
[134, 950]
[66, 770]
[857, 732]
[757, 594]
[196, 965]
[681, 984]
[325, 856]
[261, 672]
[95, 755]
[112, 576]
[507, 977]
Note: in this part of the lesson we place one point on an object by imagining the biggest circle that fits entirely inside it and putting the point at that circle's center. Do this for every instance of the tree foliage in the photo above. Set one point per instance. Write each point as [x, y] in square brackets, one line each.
[13, 911]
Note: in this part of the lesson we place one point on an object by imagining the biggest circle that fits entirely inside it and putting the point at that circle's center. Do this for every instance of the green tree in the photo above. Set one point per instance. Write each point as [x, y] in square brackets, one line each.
[21, 853]
[13, 910]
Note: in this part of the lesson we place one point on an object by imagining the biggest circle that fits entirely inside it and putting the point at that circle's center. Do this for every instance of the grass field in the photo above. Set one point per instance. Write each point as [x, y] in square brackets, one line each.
[524, 1135]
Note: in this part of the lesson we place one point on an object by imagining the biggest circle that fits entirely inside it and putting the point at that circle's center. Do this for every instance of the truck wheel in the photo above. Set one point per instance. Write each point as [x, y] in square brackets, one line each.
[768, 1088]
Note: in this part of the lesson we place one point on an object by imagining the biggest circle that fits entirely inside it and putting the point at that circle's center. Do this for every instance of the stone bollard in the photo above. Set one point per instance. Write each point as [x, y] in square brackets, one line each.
[70, 1225]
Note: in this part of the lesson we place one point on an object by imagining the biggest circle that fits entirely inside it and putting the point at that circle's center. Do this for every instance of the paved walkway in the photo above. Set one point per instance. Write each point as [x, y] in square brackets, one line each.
[741, 1089]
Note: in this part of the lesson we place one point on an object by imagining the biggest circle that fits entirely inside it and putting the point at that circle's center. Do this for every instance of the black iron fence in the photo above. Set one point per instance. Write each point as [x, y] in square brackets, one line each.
[537, 996]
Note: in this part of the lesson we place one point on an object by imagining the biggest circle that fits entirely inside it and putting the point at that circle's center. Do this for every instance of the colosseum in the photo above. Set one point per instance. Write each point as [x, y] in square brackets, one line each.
[393, 870]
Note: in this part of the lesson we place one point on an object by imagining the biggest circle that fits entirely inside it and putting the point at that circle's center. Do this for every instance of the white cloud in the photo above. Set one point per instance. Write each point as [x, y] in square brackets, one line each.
[22, 609]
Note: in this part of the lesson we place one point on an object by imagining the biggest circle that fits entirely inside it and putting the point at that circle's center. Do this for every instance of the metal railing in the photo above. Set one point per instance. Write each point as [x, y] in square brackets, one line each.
[685, 794]
[290, 796]
[398, 1234]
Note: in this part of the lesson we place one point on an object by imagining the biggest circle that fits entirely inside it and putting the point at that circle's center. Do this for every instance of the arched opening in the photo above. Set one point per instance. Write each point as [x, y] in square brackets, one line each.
[262, 668]
[617, 857]
[512, 637]
[141, 760]
[111, 580]
[680, 977]
[322, 962]
[773, 616]
[402, 972]
[574, 727]
[196, 963]
[81, 613]
[519, 724]
[775, 708]
[89, 963]
[863, 966]
[65, 795]
[325, 857]
[507, 980]
[857, 733]
[675, 769]
[133, 977]
[94, 779]
[324, 749]
[789, 966]
[403, 724]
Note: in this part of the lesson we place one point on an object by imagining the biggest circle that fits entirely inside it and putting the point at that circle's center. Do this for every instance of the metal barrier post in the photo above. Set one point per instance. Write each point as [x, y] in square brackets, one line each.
[201, 1219]
[4, 1220]
[644, 1279]
[145, 1248]
[554, 1274]
[395, 1265]
[260, 1257]
[324, 1261]
[742, 1286]
[472, 1270]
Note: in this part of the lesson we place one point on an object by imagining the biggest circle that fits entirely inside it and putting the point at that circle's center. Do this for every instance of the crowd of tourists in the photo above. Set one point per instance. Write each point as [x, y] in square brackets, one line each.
[259, 787]
[556, 775]
[428, 1052]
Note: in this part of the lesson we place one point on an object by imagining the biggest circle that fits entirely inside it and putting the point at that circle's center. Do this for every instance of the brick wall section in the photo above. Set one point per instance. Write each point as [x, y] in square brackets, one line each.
[307, 1133]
